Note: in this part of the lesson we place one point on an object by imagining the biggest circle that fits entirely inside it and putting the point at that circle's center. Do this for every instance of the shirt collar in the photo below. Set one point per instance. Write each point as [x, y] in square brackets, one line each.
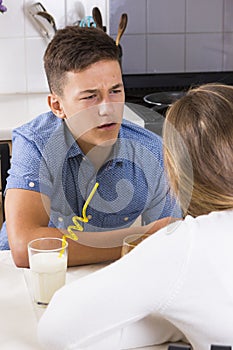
[73, 148]
[118, 153]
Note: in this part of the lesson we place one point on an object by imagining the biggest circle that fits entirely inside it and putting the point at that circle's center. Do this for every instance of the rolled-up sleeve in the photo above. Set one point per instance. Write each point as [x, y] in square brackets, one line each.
[25, 171]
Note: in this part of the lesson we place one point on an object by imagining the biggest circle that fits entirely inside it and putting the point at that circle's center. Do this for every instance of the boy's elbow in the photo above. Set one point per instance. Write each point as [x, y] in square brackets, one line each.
[19, 253]
[20, 262]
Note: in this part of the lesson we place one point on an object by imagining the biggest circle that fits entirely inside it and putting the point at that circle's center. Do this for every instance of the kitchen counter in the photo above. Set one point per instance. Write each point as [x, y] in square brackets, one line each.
[17, 109]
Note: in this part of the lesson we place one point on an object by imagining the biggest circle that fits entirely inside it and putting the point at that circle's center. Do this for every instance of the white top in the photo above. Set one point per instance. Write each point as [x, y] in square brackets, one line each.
[178, 281]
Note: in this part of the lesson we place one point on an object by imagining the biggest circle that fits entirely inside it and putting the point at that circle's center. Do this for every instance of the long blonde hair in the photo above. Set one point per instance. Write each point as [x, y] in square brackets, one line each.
[198, 149]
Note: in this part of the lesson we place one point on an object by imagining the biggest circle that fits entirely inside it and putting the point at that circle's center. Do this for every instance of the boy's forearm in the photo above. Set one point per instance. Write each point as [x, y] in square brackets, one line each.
[91, 247]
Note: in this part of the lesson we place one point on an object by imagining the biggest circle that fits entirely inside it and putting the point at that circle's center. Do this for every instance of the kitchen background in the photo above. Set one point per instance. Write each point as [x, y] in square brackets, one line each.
[167, 43]
[162, 36]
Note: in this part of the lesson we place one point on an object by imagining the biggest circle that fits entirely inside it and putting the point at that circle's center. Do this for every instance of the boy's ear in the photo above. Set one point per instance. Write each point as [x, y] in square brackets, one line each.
[55, 104]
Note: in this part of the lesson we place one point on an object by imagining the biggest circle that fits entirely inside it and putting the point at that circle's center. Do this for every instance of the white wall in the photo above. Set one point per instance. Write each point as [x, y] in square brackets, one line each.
[165, 36]
[22, 47]
[161, 36]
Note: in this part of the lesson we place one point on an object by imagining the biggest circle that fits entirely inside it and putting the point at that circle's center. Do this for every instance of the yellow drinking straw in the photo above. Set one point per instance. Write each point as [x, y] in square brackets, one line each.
[76, 219]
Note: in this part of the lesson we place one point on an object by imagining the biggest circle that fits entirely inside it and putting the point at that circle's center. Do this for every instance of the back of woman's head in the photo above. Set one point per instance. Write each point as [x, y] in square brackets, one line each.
[198, 148]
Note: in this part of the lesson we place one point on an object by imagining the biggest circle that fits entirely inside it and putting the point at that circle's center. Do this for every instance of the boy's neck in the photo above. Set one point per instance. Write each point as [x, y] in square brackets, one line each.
[98, 155]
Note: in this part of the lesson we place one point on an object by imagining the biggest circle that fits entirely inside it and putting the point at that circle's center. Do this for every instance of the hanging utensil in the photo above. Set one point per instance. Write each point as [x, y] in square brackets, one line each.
[43, 21]
[87, 21]
[49, 18]
[32, 11]
[96, 14]
[34, 8]
[122, 26]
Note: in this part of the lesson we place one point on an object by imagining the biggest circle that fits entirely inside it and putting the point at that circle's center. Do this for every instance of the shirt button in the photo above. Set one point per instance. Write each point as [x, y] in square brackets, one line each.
[60, 219]
[31, 184]
[89, 216]
[126, 218]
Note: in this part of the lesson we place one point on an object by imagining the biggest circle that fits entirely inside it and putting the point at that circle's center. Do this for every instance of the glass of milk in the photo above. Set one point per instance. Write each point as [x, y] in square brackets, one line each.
[48, 265]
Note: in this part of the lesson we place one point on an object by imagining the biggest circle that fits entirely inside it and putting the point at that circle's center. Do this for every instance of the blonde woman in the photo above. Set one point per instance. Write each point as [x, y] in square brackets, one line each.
[178, 283]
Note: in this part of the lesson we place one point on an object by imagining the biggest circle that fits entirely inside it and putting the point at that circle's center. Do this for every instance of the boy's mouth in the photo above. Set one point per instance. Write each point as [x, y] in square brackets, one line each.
[107, 126]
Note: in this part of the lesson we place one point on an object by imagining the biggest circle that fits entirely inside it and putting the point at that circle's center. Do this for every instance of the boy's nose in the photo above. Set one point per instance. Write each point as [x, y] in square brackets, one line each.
[105, 108]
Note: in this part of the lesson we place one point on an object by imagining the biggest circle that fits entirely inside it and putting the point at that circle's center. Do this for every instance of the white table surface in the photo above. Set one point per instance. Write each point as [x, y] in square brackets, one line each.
[17, 109]
[18, 314]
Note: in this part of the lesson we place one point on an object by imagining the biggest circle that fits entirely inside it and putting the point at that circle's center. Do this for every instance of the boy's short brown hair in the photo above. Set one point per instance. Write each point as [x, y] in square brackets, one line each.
[73, 49]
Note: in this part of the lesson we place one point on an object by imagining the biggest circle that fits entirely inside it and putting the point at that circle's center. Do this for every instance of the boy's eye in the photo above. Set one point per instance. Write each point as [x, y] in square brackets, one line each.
[90, 97]
[117, 91]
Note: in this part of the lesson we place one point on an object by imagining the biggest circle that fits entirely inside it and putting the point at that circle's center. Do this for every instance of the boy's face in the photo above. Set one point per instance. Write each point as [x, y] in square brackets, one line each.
[92, 104]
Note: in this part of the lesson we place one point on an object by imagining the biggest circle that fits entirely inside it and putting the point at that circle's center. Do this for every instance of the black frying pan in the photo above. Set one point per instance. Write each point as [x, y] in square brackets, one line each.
[163, 99]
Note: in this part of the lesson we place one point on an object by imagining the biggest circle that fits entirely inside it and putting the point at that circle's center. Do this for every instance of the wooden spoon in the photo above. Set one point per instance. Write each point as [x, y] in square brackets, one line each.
[121, 27]
[96, 14]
